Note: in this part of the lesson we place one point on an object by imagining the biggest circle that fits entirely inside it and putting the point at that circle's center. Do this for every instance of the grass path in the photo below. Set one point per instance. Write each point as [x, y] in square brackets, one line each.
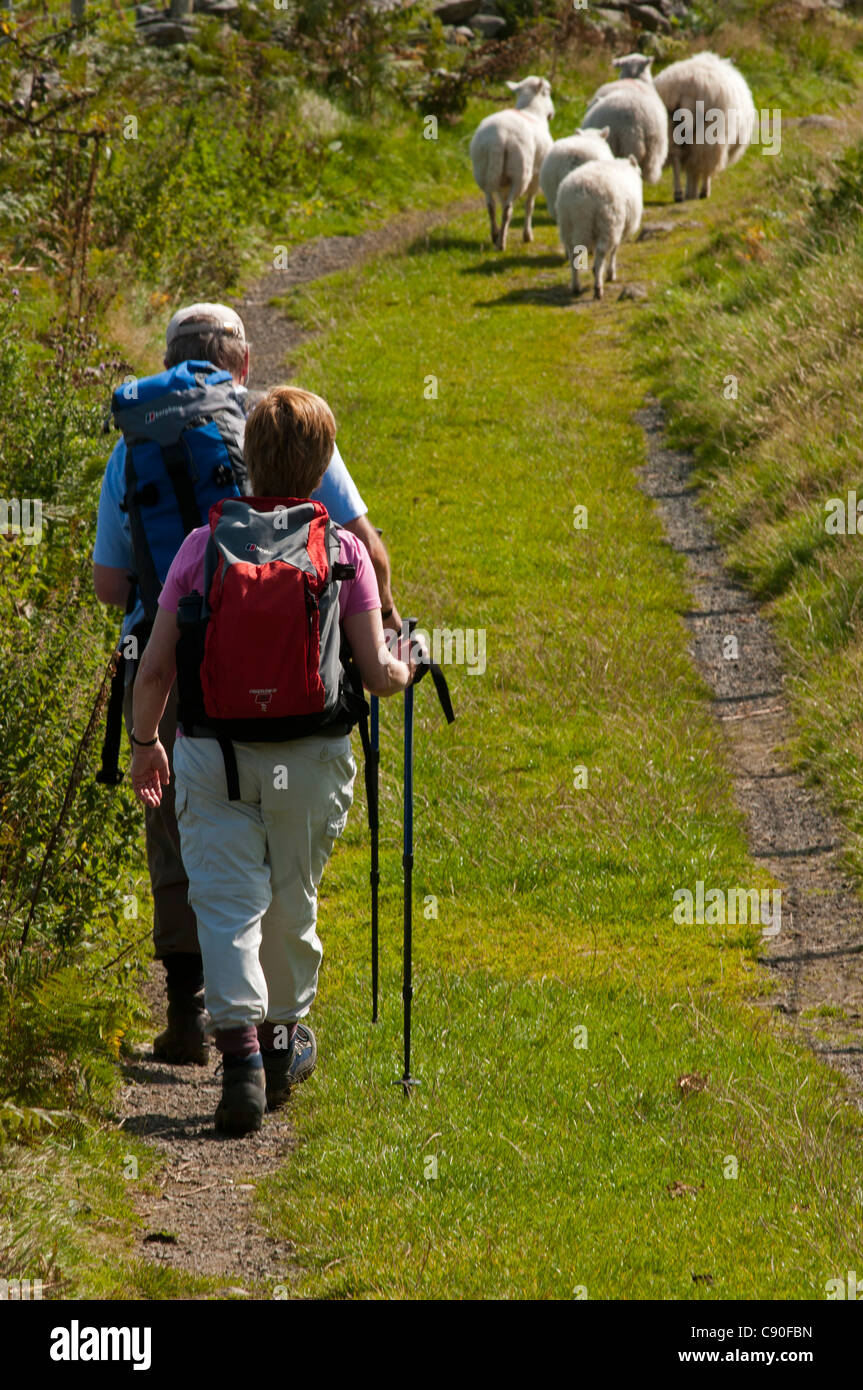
[560, 1166]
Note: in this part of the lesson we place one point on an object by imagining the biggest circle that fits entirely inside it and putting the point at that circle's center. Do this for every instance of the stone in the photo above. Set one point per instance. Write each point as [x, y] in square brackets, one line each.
[636, 292]
[488, 26]
[650, 18]
[822, 122]
[610, 17]
[456, 11]
[652, 229]
[164, 32]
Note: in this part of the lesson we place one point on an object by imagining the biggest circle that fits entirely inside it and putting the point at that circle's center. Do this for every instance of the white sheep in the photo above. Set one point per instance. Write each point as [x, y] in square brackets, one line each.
[637, 123]
[710, 115]
[568, 154]
[507, 151]
[598, 207]
[633, 67]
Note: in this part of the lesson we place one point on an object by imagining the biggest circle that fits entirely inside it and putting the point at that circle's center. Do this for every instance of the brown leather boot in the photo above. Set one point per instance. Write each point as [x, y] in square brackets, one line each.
[184, 1041]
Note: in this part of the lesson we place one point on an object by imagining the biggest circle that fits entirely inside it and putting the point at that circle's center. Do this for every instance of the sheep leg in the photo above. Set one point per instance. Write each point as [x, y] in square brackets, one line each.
[492, 217]
[612, 264]
[705, 188]
[573, 254]
[675, 169]
[528, 217]
[599, 271]
[507, 218]
[691, 185]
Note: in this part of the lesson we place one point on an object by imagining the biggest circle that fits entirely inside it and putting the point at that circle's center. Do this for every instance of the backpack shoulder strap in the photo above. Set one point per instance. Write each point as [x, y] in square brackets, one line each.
[177, 469]
[146, 576]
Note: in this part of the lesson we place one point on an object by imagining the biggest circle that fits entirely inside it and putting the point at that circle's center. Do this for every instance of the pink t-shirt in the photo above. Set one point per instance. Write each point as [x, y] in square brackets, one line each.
[359, 595]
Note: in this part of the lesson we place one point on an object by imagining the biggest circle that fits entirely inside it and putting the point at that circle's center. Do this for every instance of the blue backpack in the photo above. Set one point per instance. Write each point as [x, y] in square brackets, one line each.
[183, 431]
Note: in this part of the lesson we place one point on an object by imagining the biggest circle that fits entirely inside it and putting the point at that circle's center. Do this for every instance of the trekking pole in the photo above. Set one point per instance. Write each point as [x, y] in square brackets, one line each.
[407, 1081]
[373, 762]
[408, 869]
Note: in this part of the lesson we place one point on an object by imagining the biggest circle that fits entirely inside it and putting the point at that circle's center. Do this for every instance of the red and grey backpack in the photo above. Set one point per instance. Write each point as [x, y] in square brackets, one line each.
[260, 656]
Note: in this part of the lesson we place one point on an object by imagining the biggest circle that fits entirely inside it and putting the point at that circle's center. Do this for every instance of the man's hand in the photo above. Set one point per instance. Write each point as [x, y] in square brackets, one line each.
[149, 773]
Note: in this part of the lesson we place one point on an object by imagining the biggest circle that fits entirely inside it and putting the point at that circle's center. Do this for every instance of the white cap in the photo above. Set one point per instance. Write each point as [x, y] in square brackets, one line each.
[203, 318]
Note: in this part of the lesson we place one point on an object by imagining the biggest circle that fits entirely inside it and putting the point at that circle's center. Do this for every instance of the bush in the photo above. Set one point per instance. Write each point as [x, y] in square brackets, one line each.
[65, 843]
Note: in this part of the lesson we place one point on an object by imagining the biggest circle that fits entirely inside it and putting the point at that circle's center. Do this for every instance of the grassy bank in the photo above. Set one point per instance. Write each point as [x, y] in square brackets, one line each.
[767, 395]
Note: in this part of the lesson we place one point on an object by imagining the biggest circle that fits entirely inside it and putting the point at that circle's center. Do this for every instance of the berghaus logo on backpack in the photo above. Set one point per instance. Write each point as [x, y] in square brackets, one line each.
[183, 434]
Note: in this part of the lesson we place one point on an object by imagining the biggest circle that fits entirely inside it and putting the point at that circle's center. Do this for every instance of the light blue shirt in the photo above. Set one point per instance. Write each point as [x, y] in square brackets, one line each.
[113, 547]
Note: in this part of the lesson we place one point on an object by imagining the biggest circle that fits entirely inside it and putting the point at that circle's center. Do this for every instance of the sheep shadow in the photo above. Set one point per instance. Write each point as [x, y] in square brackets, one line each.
[503, 261]
[550, 296]
[432, 244]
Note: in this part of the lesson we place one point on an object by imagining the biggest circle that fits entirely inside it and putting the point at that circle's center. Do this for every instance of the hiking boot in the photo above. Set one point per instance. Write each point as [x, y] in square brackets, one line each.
[288, 1067]
[243, 1104]
[184, 1041]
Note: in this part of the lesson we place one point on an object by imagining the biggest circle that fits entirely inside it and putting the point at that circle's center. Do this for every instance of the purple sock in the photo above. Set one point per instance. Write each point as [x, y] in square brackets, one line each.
[237, 1043]
[276, 1037]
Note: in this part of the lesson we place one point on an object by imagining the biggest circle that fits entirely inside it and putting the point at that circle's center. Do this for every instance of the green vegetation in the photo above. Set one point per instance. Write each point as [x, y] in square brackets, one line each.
[558, 1165]
[777, 304]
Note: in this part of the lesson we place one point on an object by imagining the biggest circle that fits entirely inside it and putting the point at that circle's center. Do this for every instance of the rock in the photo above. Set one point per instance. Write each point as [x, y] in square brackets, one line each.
[216, 7]
[164, 32]
[822, 122]
[610, 17]
[651, 229]
[36, 87]
[650, 18]
[456, 11]
[637, 292]
[488, 26]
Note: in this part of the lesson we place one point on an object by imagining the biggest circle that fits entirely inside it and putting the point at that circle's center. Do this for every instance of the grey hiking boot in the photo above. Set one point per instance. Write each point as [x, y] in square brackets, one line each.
[184, 1041]
[286, 1068]
[243, 1103]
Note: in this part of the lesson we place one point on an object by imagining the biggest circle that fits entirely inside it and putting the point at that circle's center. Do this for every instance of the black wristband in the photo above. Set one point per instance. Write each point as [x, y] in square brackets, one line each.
[151, 743]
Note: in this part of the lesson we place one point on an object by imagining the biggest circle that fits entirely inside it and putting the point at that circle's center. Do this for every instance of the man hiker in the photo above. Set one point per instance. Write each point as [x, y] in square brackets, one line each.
[254, 617]
[212, 334]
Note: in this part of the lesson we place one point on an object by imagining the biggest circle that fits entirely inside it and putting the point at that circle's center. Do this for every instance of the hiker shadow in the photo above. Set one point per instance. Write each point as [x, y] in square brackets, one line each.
[503, 262]
[172, 1128]
[149, 1072]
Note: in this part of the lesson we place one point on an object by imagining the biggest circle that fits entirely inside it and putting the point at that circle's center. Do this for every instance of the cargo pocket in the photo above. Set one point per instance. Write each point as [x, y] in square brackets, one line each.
[342, 798]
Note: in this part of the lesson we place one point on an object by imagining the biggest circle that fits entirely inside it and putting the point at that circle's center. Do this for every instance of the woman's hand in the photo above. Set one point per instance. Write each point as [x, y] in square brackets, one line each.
[150, 773]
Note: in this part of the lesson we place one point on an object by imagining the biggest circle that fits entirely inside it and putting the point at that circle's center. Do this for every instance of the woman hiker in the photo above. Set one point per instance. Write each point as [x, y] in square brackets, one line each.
[263, 764]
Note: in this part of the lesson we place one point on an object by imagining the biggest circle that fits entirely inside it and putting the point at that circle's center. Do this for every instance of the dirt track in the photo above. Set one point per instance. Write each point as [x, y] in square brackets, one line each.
[201, 1218]
[818, 956]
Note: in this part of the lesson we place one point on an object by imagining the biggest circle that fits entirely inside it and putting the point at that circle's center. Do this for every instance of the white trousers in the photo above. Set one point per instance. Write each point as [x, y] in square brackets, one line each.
[254, 866]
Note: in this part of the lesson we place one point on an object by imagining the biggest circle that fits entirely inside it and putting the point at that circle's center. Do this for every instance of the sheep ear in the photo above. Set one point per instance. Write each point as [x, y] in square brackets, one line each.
[513, 86]
[605, 132]
[578, 131]
[616, 62]
[633, 161]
